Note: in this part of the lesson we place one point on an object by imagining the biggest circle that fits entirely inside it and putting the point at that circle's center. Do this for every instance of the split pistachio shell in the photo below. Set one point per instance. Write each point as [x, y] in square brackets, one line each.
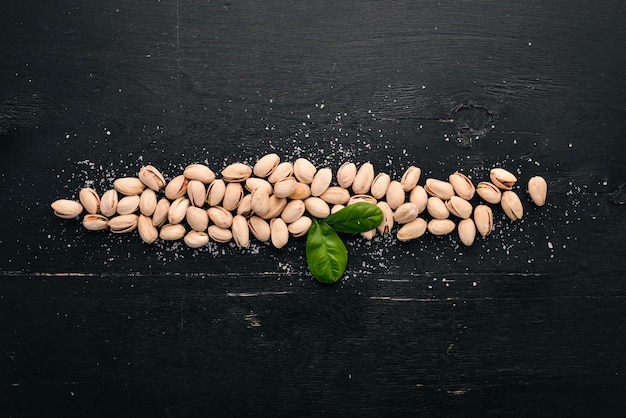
[147, 202]
[459, 207]
[483, 219]
[538, 190]
[304, 170]
[410, 178]
[108, 202]
[412, 230]
[336, 208]
[346, 174]
[147, 231]
[512, 205]
[255, 182]
[467, 231]
[489, 192]
[439, 188]
[285, 187]
[172, 232]
[336, 195]
[67, 209]
[266, 165]
[240, 231]
[215, 192]
[89, 199]
[245, 206]
[395, 195]
[220, 216]
[279, 233]
[437, 208]
[361, 198]
[128, 186]
[317, 207]
[260, 201]
[363, 179]
[284, 169]
[196, 193]
[300, 227]
[177, 187]
[380, 185]
[160, 213]
[197, 218]
[502, 178]
[276, 207]
[440, 226]
[462, 185]
[386, 225]
[218, 234]
[199, 172]
[321, 181]
[232, 196]
[151, 177]
[178, 210]
[419, 196]
[302, 191]
[260, 228]
[95, 222]
[293, 211]
[237, 172]
[406, 213]
[196, 239]
[128, 205]
[123, 223]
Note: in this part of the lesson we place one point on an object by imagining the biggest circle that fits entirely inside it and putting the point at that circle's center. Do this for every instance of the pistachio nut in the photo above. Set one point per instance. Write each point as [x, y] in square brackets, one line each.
[245, 206]
[89, 199]
[128, 186]
[302, 191]
[66, 209]
[317, 207]
[147, 202]
[199, 172]
[147, 231]
[172, 232]
[300, 227]
[410, 178]
[405, 213]
[336, 208]
[537, 189]
[488, 192]
[502, 178]
[467, 231]
[412, 230]
[196, 239]
[419, 196]
[240, 231]
[160, 213]
[512, 205]
[236, 172]
[232, 196]
[386, 225]
[95, 222]
[395, 195]
[363, 179]
[440, 226]
[293, 211]
[346, 174]
[284, 169]
[279, 233]
[459, 207]
[277, 205]
[266, 165]
[335, 195]
[260, 201]
[178, 210]
[128, 205]
[220, 216]
[196, 193]
[260, 228]
[151, 177]
[369, 234]
[215, 192]
[177, 187]
[439, 188]
[218, 234]
[255, 182]
[108, 203]
[380, 185]
[304, 170]
[437, 208]
[285, 186]
[123, 223]
[361, 198]
[483, 219]
[197, 218]
[462, 185]
[321, 181]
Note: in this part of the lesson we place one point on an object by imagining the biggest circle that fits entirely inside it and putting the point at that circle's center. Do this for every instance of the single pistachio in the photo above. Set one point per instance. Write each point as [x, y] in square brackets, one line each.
[123, 223]
[369, 234]
[419, 196]
[405, 213]
[336, 208]
[437, 208]
[128, 186]
[95, 222]
[89, 199]
[412, 230]
[177, 187]
[266, 165]
[386, 225]
[284, 169]
[293, 211]
[467, 231]
[321, 181]
[440, 226]
[196, 239]
[232, 196]
[240, 231]
[260, 201]
[67, 209]
[151, 177]
[128, 205]
[199, 172]
[245, 206]
[462, 185]
[108, 203]
[304, 170]
[317, 207]
[488, 192]
[410, 178]
[361, 198]
[483, 219]
[459, 207]
[147, 202]
[538, 190]
[380, 185]
[512, 205]
[277, 205]
[220, 216]
[439, 188]
[255, 182]
[300, 227]
[197, 218]
[172, 232]
[178, 210]
[279, 233]
[363, 179]
[346, 174]
[160, 213]
[147, 231]
[396, 195]
[285, 186]
[302, 191]
[236, 172]
[196, 193]
[215, 192]
[260, 228]
[335, 195]
[218, 234]
[502, 178]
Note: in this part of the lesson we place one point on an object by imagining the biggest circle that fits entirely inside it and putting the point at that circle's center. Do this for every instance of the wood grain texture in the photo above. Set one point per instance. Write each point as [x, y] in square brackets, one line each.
[527, 322]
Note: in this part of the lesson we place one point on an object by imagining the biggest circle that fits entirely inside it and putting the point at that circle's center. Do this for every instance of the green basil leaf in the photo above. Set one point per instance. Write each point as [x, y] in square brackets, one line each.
[356, 218]
[326, 253]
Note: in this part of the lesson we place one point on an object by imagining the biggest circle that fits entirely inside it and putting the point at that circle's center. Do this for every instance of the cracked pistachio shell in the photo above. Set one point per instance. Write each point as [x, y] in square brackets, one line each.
[483, 219]
[266, 165]
[220, 216]
[151, 177]
[346, 174]
[199, 172]
[293, 211]
[304, 170]
[285, 186]
[128, 205]
[361, 198]
[255, 182]
[67, 209]
[537, 189]
[89, 199]
[284, 169]
[363, 179]
[437, 208]
[259, 228]
[386, 225]
[147, 231]
[512, 205]
[196, 193]
[462, 185]
[300, 227]
[240, 231]
[488, 192]
[412, 230]
[215, 192]
[108, 202]
[279, 233]
[440, 226]
[196, 239]
[336, 208]
[502, 178]
[123, 223]
[410, 178]
[405, 213]
[232, 196]
[419, 196]
[335, 195]
[129, 186]
[260, 201]
[172, 232]
[236, 172]
[160, 213]
[218, 234]
[276, 207]
[317, 207]
[380, 185]
[245, 206]
[321, 181]
[197, 218]
[95, 222]
[467, 231]
[439, 188]
[178, 210]
[302, 191]
[459, 207]
[147, 202]
[396, 195]
[177, 187]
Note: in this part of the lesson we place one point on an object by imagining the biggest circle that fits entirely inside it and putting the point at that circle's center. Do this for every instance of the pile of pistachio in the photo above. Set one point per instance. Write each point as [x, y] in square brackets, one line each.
[275, 199]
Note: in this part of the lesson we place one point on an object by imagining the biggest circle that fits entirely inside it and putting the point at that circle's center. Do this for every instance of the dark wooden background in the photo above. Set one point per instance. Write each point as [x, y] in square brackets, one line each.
[527, 322]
